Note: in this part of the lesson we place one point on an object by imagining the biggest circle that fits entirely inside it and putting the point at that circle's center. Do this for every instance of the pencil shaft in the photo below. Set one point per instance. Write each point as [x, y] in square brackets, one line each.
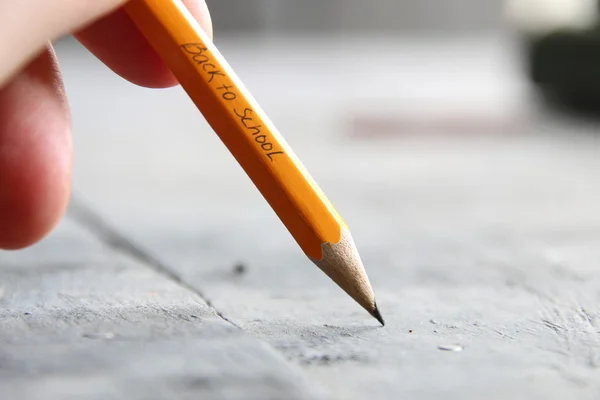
[240, 123]
[253, 140]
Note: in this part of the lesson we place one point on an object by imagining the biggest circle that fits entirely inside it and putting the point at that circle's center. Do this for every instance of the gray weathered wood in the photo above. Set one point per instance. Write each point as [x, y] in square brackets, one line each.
[81, 320]
[489, 242]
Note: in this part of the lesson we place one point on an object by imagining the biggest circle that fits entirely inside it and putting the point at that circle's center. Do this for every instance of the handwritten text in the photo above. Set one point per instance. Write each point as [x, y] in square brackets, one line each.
[227, 90]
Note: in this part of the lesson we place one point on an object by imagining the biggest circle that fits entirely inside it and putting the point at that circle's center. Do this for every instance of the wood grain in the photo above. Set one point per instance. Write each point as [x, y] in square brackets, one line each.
[81, 320]
[491, 243]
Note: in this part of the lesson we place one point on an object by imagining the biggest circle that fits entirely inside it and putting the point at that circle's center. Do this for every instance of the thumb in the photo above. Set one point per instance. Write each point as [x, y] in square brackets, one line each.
[27, 26]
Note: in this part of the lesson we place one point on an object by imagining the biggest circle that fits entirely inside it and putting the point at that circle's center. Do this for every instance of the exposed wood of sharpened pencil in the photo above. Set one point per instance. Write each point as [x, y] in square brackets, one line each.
[251, 137]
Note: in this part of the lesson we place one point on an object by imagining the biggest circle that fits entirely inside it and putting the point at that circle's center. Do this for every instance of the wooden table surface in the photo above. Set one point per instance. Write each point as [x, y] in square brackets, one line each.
[475, 213]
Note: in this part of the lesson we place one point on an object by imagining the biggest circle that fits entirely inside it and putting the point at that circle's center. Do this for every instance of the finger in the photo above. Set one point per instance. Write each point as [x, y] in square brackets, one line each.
[27, 26]
[35, 153]
[117, 42]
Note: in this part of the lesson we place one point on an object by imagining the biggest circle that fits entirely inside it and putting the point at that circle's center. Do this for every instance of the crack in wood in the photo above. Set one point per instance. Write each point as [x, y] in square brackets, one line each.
[109, 236]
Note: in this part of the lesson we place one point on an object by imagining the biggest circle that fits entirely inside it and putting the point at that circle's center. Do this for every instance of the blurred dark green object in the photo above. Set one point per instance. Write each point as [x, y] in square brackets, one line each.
[565, 67]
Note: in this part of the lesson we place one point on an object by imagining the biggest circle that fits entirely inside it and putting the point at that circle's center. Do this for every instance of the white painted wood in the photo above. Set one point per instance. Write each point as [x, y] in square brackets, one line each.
[81, 320]
[486, 241]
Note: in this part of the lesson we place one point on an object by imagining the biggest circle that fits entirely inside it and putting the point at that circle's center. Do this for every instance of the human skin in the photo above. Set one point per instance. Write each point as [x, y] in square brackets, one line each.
[35, 126]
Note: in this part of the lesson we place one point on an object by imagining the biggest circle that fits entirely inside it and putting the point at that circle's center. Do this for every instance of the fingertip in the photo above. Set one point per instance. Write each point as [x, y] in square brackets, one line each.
[33, 196]
[26, 222]
[116, 41]
[199, 9]
[35, 154]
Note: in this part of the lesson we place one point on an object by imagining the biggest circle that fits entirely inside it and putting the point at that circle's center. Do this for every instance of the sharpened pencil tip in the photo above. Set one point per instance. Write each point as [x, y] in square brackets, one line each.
[375, 313]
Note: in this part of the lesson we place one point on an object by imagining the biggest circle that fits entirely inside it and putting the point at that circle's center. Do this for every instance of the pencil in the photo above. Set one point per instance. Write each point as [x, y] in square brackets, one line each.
[255, 143]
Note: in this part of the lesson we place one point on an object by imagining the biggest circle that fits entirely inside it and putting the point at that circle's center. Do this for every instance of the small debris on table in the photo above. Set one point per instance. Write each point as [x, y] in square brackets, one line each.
[240, 269]
[100, 336]
[451, 347]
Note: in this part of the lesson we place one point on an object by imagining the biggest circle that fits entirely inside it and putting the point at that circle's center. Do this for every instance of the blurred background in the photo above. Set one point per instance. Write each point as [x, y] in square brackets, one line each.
[275, 17]
[426, 114]
[369, 82]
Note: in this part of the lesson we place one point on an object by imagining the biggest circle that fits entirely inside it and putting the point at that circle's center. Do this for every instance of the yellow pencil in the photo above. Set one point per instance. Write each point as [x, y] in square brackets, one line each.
[256, 144]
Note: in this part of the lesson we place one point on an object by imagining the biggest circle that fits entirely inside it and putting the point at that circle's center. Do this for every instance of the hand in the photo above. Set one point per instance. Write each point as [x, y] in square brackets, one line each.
[35, 137]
